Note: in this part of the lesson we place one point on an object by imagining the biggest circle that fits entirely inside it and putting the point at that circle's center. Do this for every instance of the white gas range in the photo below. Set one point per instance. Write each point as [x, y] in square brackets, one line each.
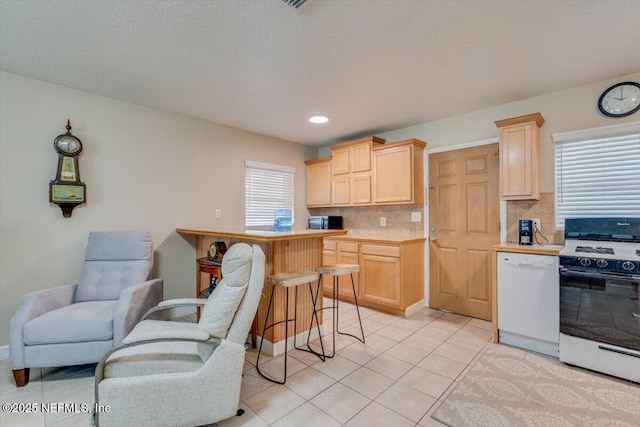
[599, 306]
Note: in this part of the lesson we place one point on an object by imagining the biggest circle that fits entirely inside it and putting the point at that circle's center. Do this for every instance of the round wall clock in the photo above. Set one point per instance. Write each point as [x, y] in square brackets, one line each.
[620, 100]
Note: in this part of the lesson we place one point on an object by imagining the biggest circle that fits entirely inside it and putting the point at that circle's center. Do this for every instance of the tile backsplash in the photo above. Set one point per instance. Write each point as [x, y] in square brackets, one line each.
[365, 220]
[544, 209]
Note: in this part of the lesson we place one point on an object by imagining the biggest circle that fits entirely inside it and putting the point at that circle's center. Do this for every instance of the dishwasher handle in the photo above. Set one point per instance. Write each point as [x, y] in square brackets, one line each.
[532, 262]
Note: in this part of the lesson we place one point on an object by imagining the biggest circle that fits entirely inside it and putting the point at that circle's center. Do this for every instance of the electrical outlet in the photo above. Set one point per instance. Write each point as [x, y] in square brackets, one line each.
[536, 225]
[218, 213]
[383, 221]
[416, 216]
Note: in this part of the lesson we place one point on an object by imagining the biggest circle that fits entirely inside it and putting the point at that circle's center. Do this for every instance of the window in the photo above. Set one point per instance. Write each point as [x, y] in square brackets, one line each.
[267, 188]
[598, 172]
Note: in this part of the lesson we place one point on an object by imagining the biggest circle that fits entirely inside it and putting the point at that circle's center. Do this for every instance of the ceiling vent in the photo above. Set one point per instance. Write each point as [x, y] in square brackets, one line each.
[294, 3]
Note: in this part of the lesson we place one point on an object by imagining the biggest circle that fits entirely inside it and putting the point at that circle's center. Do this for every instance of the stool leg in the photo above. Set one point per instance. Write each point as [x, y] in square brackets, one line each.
[355, 299]
[264, 330]
[314, 301]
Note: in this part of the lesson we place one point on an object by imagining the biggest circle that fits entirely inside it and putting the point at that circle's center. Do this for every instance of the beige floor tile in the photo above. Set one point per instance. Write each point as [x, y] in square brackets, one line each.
[442, 365]
[384, 318]
[75, 392]
[379, 343]
[78, 420]
[436, 333]
[367, 382]
[22, 418]
[389, 366]
[370, 326]
[406, 401]
[455, 318]
[253, 383]
[248, 419]
[393, 333]
[305, 357]
[307, 415]
[482, 324]
[407, 353]
[340, 402]
[409, 324]
[505, 349]
[251, 357]
[337, 367]
[421, 342]
[275, 368]
[455, 352]
[274, 403]
[376, 415]
[427, 421]
[426, 382]
[427, 314]
[446, 325]
[467, 341]
[483, 334]
[366, 312]
[359, 353]
[347, 318]
[309, 382]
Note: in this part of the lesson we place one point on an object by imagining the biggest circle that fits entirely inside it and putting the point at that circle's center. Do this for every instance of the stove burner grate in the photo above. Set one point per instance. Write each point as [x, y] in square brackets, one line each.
[598, 250]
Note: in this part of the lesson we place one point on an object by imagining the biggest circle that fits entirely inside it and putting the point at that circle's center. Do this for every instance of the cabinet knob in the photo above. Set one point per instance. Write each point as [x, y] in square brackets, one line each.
[434, 239]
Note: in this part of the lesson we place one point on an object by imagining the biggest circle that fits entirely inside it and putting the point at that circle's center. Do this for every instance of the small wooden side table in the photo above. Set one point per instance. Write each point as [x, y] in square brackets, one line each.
[214, 269]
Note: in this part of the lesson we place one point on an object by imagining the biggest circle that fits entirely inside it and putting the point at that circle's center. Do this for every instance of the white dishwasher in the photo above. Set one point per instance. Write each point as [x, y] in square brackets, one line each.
[529, 301]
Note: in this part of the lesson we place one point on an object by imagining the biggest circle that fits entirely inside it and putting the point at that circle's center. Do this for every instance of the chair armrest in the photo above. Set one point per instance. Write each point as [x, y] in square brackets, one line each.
[158, 329]
[134, 301]
[35, 304]
[175, 303]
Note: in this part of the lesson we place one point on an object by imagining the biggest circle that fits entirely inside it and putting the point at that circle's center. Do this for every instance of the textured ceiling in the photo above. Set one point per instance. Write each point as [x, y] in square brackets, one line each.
[371, 65]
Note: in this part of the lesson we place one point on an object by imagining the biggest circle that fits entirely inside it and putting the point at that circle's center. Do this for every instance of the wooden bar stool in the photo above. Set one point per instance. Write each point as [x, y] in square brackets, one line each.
[214, 269]
[337, 270]
[287, 281]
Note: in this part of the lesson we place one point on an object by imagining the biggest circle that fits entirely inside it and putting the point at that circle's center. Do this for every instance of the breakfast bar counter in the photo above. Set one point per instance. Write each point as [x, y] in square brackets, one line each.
[285, 251]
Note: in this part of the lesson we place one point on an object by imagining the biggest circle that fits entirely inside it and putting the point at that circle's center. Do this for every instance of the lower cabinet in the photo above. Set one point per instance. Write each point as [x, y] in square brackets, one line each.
[391, 274]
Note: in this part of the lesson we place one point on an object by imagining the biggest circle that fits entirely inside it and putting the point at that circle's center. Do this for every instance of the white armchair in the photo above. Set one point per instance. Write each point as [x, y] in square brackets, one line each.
[77, 324]
[185, 374]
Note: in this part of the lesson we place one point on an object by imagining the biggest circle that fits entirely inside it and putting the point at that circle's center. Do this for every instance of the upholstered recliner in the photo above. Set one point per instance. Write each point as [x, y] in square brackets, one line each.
[78, 324]
[185, 374]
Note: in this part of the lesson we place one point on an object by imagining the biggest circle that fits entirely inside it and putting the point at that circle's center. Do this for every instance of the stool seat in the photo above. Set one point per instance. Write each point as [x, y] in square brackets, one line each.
[338, 269]
[293, 278]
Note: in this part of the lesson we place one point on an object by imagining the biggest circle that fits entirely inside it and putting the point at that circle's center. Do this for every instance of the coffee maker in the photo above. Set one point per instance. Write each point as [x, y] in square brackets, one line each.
[525, 232]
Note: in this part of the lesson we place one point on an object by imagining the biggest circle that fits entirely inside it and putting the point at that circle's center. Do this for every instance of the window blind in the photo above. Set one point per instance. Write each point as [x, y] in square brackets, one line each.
[267, 187]
[598, 173]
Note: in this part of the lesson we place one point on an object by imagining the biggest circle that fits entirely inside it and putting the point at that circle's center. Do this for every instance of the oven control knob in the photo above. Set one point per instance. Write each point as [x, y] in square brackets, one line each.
[585, 262]
[602, 263]
[628, 265]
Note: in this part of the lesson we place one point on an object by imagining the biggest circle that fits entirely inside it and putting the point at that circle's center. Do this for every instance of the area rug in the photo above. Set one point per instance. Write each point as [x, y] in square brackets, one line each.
[508, 390]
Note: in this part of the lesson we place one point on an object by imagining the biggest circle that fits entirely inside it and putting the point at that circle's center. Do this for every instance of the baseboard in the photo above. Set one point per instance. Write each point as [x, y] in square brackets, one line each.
[4, 352]
[414, 308]
[278, 348]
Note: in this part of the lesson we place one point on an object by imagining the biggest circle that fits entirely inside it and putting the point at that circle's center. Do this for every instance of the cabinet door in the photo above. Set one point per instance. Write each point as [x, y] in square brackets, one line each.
[381, 275]
[348, 253]
[393, 175]
[516, 161]
[340, 190]
[319, 183]
[340, 161]
[360, 189]
[360, 157]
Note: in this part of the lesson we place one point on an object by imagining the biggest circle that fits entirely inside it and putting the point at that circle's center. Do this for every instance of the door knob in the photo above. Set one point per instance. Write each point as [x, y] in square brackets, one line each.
[434, 239]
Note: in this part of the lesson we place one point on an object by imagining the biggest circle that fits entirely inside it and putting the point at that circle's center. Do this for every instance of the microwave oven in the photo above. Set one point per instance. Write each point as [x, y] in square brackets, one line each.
[324, 223]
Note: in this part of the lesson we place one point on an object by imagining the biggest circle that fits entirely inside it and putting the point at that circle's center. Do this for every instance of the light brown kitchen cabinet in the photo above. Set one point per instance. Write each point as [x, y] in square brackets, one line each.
[318, 182]
[391, 271]
[520, 157]
[340, 253]
[398, 173]
[351, 171]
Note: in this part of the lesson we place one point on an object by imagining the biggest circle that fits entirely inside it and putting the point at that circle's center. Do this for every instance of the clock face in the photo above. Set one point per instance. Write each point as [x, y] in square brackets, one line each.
[68, 144]
[620, 100]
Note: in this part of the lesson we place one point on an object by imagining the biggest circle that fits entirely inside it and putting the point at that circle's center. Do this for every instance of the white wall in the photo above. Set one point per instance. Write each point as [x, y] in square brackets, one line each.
[144, 169]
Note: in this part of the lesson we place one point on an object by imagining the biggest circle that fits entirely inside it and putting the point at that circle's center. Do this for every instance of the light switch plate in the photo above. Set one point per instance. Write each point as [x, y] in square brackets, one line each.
[536, 225]
[416, 216]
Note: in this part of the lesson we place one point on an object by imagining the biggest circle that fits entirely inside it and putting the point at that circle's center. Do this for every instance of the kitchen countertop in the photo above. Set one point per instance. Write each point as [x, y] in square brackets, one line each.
[528, 249]
[378, 239]
[260, 235]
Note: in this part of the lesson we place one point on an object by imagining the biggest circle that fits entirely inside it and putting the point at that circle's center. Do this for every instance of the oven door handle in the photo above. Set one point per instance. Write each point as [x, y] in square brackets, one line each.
[565, 270]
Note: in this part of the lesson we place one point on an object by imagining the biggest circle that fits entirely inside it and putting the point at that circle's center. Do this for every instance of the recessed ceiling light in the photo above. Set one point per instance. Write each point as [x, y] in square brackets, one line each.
[318, 119]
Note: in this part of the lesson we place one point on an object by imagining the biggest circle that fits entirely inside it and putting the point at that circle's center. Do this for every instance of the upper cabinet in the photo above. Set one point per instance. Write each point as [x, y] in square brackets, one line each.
[351, 172]
[367, 172]
[319, 182]
[520, 157]
[397, 173]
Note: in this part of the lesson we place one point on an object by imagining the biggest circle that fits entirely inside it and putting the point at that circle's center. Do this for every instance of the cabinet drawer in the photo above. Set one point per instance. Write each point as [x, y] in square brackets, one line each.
[348, 247]
[329, 245]
[382, 250]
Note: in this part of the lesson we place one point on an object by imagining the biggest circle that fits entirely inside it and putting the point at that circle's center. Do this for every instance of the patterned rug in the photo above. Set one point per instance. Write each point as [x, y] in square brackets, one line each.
[507, 390]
